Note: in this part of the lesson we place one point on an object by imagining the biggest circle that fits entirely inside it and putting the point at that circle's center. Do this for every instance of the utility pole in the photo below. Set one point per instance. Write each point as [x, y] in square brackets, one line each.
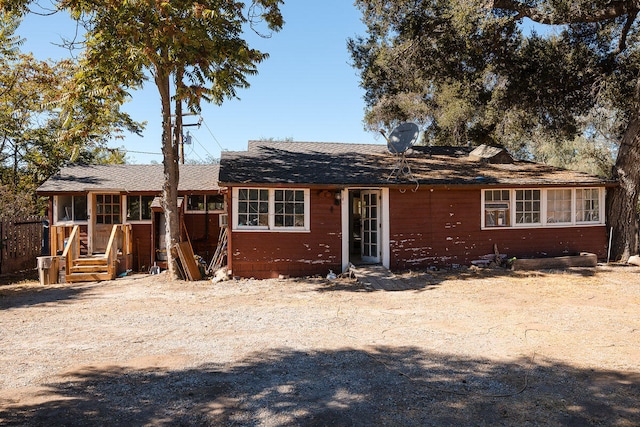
[178, 125]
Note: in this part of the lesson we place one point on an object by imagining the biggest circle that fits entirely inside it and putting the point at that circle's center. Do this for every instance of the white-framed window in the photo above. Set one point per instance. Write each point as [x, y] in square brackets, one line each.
[497, 212]
[70, 208]
[559, 204]
[252, 207]
[587, 205]
[535, 207]
[289, 208]
[273, 209]
[139, 208]
[201, 203]
[528, 207]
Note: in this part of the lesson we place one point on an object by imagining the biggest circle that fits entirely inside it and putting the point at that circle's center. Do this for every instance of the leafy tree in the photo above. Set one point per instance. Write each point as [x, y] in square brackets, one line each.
[192, 47]
[46, 119]
[468, 72]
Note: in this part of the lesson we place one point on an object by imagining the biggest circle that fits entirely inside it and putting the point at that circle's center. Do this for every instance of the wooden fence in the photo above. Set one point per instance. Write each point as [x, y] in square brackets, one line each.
[21, 243]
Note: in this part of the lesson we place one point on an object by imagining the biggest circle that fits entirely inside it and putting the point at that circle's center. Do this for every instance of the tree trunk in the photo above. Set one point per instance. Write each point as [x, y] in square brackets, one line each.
[622, 201]
[171, 173]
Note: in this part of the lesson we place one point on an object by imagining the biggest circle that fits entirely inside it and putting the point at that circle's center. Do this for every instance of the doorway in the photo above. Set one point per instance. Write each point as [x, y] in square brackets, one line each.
[107, 213]
[364, 226]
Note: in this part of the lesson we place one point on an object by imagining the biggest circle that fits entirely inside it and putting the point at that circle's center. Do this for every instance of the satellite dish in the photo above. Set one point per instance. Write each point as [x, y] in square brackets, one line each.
[402, 138]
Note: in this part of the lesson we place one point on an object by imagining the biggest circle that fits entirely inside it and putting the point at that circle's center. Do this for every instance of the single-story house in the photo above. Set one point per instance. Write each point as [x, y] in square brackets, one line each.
[298, 208]
[100, 196]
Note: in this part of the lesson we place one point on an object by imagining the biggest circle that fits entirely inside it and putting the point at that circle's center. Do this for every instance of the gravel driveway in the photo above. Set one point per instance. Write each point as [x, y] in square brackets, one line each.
[465, 347]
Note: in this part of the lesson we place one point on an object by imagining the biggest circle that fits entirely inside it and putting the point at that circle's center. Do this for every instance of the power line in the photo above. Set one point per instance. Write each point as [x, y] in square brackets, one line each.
[193, 151]
[212, 135]
[138, 152]
[203, 147]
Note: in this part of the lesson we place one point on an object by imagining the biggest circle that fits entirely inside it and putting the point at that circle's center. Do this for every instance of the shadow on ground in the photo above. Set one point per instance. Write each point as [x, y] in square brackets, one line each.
[30, 294]
[382, 386]
[426, 280]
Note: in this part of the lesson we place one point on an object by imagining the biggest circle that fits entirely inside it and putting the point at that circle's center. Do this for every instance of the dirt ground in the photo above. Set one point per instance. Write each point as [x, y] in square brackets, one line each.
[464, 347]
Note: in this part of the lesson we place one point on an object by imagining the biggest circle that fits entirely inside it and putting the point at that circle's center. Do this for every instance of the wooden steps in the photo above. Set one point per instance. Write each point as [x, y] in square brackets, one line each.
[89, 269]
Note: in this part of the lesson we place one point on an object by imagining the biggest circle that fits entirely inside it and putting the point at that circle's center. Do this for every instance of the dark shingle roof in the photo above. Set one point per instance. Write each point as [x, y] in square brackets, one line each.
[300, 163]
[129, 178]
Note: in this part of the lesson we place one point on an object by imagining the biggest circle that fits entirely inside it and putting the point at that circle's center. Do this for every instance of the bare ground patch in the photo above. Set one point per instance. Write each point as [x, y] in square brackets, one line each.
[459, 348]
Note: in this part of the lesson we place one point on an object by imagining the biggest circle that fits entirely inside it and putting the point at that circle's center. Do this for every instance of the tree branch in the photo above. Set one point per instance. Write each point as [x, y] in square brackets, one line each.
[622, 43]
[613, 10]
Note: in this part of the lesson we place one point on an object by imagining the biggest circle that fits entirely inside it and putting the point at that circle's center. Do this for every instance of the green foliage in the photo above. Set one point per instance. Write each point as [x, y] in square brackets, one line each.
[18, 204]
[200, 41]
[196, 46]
[49, 118]
[468, 74]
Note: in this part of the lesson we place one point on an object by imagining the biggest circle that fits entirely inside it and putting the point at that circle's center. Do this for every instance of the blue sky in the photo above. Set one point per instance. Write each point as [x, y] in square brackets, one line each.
[306, 90]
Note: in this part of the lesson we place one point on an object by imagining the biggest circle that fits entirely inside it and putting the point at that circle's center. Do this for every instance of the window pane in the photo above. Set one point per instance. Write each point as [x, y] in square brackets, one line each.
[146, 207]
[253, 206]
[587, 205]
[80, 208]
[133, 208]
[496, 208]
[558, 206]
[527, 206]
[195, 202]
[65, 208]
[215, 202]
[289, 208]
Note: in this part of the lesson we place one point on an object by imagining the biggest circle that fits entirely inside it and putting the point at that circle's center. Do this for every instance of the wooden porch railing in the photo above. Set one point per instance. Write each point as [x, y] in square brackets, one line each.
[71, 250]
[120, 245]
[65, 241]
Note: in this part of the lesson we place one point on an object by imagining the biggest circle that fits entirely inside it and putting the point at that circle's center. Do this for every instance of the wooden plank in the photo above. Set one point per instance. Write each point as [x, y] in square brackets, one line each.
[180, 268]
[187, 258]
[582, 260]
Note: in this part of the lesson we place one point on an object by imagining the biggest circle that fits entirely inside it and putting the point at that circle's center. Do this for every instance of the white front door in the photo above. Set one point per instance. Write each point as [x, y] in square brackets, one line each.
[370, 230]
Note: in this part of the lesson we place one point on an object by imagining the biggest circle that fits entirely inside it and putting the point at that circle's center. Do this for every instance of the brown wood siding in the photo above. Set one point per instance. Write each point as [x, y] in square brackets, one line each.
[442, 227]
[269, 254]
[203, 230]
[141, 240]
